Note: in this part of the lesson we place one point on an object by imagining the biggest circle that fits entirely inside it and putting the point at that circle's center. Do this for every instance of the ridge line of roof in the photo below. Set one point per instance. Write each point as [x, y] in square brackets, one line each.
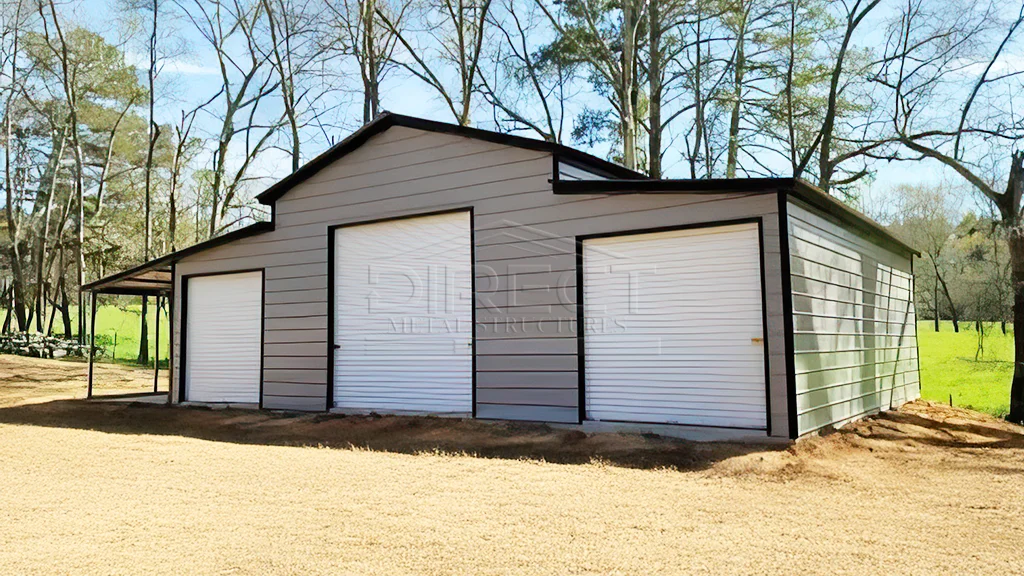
[389, 119]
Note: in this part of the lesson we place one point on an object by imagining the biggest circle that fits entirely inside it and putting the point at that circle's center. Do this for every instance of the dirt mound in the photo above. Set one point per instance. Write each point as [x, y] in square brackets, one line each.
[919, 429]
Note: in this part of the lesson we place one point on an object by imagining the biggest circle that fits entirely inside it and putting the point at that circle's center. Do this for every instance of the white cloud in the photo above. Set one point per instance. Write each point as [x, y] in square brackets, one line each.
[1005, 64]
[172, 66]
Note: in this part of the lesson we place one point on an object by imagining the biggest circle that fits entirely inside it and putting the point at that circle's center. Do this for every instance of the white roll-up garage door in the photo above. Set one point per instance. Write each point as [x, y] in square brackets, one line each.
[674, 328]
[224, 339]
[404, 315]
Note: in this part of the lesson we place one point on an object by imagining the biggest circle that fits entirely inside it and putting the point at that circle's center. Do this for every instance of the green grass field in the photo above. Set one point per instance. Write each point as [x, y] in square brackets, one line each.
[118, 327]
[949, 368]
[118, 330]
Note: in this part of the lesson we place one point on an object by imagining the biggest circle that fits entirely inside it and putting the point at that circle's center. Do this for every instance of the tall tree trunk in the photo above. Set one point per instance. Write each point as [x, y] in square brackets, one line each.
[370, 65]
[54, 307]
[65, 308]
[154, 133]
[50, 181]
[698, 96]
[949, 299]
[9, 302]
[627, 118]
[654, 74]
[17, 272]
[71, 95]
[172, 217]
[794, 153]
[936, 305]
[739, 72]
[65, 305]
[1016, 243]
[143, 357]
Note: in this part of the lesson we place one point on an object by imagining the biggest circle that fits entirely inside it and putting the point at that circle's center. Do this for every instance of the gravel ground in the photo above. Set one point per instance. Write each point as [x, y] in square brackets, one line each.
[91, 488]
[32, 380]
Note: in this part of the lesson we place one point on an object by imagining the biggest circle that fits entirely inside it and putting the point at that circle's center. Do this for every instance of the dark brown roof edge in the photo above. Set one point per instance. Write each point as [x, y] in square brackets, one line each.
[389, 119]
[821, 200]
[250, 230]
[797, 187]
[706, 186]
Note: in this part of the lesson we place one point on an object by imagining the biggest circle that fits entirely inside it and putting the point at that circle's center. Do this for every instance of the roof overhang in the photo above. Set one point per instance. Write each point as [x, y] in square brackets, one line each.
[151, 279]
[796, 187]
[156, 277]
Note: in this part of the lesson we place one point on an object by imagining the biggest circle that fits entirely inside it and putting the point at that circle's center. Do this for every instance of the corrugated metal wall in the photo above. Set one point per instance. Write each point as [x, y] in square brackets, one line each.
[855, 328]
[525, 249]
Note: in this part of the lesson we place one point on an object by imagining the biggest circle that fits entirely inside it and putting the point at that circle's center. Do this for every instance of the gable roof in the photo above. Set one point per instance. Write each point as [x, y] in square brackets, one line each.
[388, 119]
[152, 277]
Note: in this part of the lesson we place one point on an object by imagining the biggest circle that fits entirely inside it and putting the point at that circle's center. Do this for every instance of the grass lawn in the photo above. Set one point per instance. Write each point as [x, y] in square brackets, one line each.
[948, 366]
[118, 326]
[101, 488]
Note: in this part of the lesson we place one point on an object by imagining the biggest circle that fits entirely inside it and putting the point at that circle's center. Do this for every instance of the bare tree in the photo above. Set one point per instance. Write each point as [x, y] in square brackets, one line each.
[706, 73]
[452, 37]
[608, 39]
[294, 51]
[185, 149]
[10, 43]
[247, 79]
[930, 51]
[668, 96]
[53, 34]
[355, 32]
[524, 91]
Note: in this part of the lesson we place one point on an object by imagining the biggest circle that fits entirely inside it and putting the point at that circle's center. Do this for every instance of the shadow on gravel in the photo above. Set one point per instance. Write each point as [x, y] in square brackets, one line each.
[399, 434]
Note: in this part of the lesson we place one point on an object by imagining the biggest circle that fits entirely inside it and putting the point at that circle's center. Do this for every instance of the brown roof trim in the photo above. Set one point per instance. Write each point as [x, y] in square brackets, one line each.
[797, 187]
[108, 285]
[821, 200]
[706, 186]
[389, 119]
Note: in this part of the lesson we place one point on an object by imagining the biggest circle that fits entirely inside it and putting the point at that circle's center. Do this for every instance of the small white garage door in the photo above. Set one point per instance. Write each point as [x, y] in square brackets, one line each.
[224, 339]
[674, 329]
[404, 315]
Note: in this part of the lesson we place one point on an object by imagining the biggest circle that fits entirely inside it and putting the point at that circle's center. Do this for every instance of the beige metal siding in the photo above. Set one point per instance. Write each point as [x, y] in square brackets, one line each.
[525, 263]
[855, 329]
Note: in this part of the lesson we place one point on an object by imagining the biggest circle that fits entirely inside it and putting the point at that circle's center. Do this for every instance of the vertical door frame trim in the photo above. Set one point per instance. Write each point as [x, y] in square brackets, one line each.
[787, 312]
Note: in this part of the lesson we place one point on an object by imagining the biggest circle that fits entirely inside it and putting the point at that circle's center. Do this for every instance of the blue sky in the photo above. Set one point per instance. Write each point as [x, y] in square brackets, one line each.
[193, 79]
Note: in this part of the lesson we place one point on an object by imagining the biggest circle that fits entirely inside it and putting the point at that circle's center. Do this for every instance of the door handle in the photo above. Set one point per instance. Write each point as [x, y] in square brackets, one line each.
[756, 340]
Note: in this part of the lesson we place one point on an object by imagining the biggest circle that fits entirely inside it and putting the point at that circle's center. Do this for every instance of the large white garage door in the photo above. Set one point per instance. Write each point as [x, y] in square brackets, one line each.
[224, 338]
[674, 328]
[403, 315]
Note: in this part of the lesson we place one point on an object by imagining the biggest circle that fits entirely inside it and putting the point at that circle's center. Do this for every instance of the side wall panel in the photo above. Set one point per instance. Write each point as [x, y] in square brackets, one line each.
[525, 264]
[854, 323]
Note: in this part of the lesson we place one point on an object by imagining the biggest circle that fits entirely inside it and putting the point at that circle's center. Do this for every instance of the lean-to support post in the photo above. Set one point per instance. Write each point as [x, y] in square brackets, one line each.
[156, 353]
[92, 340]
